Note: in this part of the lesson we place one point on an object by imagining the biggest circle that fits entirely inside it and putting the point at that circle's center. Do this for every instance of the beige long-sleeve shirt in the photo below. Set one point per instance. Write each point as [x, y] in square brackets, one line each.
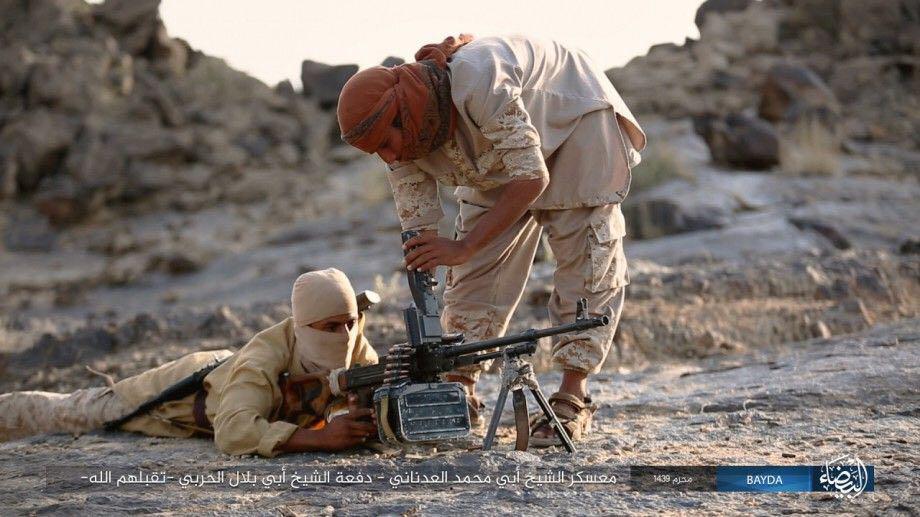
[519, 102]
[243, 394]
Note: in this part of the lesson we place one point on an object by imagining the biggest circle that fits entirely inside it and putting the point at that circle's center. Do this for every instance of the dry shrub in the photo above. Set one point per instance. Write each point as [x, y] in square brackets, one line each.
[392, 291]
[660, 164]
[809, 148]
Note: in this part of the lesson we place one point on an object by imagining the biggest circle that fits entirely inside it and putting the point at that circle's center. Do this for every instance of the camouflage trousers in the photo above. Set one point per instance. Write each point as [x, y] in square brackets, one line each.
[26, 413]
[481, 294]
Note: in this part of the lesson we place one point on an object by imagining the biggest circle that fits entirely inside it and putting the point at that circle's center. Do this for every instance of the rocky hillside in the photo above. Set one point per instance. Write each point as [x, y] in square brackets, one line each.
[775, 82]
[100, 108]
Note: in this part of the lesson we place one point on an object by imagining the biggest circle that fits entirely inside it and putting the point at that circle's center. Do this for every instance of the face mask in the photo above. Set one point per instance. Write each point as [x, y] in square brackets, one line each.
[317, 350]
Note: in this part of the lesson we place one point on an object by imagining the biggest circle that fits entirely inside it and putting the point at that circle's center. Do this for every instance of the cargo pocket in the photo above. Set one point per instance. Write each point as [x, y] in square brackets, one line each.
[467, 217]
[607, 262]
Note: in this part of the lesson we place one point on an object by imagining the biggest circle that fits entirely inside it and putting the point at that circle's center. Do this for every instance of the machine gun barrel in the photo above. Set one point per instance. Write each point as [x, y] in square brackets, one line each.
[512, 351]
[528, 335]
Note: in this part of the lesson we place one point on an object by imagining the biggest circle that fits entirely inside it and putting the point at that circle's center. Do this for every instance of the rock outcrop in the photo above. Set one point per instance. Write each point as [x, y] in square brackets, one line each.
[100, 107]
[739, 140]
[752, 54]
[324, 82]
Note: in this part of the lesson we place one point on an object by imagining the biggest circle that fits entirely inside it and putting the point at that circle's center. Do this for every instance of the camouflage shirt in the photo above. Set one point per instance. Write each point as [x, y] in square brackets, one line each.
[514, 155]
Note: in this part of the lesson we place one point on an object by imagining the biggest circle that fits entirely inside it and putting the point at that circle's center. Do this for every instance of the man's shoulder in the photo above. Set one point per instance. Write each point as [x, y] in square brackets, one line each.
[279, 334]
[501, 57]
[478, 57]
[515, 47]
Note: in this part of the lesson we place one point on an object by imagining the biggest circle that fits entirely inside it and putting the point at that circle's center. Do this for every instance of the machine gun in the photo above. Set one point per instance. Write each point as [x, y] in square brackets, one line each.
[411, 401]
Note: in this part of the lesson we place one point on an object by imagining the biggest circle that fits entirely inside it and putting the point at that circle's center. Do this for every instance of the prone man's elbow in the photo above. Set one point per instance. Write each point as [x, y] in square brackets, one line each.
[225, 443]
[233, 437]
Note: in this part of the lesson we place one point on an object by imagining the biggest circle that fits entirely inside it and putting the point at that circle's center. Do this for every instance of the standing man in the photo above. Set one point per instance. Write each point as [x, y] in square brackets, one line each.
[535, 137]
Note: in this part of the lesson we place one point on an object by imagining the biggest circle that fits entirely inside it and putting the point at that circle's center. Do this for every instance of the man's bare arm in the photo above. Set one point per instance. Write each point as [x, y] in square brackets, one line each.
[342, 432]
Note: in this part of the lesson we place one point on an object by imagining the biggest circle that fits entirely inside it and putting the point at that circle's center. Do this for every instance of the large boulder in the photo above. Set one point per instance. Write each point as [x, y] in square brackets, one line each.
[63, 201]
[791, 90]
[739, 140]
[93, 162]
[170, 56]
[718, 6]
[878, 27]
[134, 22]
[324, 82]
[15, 65]
[38, 22]
[648, 217]
[806, 114]
[392, 61]
[80, 77]
[33, 146]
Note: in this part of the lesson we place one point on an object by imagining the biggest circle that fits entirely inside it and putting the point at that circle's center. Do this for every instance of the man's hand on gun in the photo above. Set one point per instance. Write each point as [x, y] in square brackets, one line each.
[341, 432]
[431, 251]
[350, 429]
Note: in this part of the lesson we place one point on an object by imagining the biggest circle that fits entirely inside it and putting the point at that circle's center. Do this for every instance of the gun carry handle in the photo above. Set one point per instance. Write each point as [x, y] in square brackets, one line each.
[366, 300]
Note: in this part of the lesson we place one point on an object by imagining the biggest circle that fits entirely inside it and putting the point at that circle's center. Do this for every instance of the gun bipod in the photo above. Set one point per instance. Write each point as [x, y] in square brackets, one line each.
[518, 374]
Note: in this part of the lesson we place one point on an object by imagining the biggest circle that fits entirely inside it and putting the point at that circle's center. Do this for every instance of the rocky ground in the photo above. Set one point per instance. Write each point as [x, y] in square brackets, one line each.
[801, 403]
[774, 304]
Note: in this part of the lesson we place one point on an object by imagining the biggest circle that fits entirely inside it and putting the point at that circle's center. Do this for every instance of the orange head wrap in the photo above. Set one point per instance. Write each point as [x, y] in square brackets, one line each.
[418, 92]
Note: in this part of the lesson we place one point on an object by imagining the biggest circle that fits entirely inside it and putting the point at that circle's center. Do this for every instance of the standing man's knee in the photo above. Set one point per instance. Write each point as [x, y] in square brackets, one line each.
[587, 351]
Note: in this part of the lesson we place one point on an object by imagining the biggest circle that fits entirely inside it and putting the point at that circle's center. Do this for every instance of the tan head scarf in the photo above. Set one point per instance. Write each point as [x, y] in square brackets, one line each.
[418, 92]
[318, 295]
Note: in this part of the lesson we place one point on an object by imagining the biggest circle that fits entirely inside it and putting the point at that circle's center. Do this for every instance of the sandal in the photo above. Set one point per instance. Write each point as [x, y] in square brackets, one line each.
[573, 413]
[475, 406]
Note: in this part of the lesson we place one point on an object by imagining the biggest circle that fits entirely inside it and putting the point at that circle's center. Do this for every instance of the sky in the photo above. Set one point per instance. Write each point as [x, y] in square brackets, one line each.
[270, 38]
